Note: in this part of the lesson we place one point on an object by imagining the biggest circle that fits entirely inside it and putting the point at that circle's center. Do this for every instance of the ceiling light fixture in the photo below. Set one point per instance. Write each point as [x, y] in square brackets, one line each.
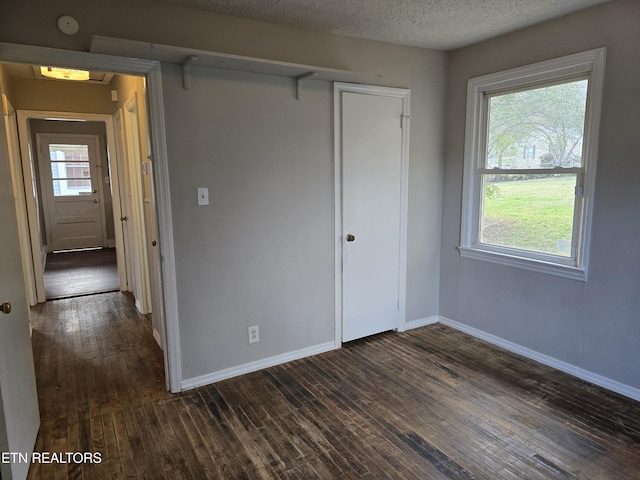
[64, 73]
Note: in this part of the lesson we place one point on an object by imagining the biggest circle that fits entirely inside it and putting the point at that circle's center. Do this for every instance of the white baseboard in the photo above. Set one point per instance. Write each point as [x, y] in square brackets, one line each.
[421, 322]
[255, 366]
[156, 336]
[609, 384]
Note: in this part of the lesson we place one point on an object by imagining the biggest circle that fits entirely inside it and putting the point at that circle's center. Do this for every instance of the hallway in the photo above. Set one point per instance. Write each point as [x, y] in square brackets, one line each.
[97, 365]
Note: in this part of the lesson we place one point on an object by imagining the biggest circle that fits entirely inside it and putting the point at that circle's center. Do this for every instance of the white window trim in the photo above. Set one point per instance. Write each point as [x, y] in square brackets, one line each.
[588, 64]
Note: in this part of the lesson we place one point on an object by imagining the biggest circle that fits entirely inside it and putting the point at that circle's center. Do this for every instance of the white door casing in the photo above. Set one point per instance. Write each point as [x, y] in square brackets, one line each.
[139, 286]
[371, 175]
[153, 250]
[123, 220]
[11, 124]
[19, 413]
[138, 129]
[72, 197]
[28, 214]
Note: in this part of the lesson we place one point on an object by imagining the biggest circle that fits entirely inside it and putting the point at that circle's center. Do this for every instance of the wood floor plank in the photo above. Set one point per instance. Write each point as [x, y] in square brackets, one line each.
[110, 455]
[237, 463]
[431, 403]
[77, 273]
[179, 461]
[164, 455]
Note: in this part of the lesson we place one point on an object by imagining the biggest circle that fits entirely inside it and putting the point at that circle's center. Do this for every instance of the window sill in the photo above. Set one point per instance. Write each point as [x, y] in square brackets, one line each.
[565, 271]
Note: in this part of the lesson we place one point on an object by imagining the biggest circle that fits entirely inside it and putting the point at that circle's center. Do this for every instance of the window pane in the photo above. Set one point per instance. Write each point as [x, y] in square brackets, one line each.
[68, 152]
[70, 169]
[538, 128]
[531, 212]
[63, 188]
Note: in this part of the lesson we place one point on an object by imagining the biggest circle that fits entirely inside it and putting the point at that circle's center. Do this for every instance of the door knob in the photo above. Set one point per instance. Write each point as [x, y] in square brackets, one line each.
[5, 307]
[350, 237]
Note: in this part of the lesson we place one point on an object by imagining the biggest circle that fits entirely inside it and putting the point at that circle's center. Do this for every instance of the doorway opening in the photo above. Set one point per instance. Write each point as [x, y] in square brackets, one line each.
[75, 198]
[151, 102]
[82, 168]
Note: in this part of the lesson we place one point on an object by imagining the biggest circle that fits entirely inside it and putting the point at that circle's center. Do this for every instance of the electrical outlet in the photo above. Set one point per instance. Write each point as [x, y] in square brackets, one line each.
[254, 334]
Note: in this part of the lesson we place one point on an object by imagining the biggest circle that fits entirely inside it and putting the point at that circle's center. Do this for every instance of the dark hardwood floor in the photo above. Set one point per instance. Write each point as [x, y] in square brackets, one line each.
[75, 273]
[432, 403]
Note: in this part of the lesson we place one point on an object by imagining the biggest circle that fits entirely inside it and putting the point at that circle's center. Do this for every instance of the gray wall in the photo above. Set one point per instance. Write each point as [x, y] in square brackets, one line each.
[593, 325]
[262, 253]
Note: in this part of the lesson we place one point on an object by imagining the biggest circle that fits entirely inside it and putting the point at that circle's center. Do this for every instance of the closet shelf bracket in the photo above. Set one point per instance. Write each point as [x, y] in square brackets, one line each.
[299, 80]
[186, 71]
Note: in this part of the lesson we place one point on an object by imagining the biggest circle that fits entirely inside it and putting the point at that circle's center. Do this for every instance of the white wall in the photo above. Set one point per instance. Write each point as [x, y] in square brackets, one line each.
[262, 253]
[594, 325]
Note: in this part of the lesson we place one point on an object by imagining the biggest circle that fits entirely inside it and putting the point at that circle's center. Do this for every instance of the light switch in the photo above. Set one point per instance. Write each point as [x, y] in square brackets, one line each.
[203, 196]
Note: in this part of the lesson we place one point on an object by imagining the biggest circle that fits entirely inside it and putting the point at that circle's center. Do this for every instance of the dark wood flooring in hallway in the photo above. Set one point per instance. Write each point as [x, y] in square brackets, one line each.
[81, 272]
[431, 403]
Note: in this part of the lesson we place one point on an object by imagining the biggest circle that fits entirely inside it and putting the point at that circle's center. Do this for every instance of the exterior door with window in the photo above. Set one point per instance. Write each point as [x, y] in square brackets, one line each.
[69, 172]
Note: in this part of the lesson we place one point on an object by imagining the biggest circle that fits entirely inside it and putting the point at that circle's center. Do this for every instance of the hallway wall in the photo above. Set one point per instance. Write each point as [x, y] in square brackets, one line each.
[59, 96]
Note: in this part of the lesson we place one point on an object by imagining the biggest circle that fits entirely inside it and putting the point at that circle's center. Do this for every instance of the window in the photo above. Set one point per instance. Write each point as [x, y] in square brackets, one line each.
[530, 157]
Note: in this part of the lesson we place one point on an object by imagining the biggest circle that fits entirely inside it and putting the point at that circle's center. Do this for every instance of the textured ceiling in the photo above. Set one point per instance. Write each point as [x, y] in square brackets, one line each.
[438, 24]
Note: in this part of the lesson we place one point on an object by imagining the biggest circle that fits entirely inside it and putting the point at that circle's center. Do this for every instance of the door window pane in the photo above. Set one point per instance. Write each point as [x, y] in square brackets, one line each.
[70, 169]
